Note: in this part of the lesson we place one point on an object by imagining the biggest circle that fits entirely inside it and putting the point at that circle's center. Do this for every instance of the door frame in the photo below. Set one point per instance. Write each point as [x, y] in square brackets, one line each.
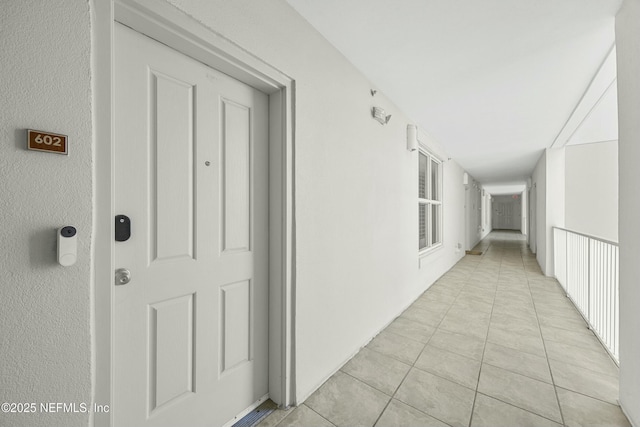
[166, 24]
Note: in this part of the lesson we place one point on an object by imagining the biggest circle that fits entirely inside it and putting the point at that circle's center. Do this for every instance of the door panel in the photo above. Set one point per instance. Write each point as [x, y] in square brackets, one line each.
[236, 186]
[235, 343]
[171, 344]
[171, 160]
[190, 329]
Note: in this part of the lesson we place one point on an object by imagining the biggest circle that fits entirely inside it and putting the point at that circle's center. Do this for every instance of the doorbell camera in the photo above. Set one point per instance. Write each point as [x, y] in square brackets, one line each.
[67, 245]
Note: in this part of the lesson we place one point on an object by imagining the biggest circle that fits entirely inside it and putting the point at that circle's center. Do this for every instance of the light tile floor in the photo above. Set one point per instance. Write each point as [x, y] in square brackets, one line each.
[492, 343]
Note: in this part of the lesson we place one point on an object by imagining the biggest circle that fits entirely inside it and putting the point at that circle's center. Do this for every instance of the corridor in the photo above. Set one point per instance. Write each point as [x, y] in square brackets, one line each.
[492, 343]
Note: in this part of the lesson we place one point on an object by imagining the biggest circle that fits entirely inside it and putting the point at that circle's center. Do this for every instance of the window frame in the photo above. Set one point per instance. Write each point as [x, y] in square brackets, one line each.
[429, 200]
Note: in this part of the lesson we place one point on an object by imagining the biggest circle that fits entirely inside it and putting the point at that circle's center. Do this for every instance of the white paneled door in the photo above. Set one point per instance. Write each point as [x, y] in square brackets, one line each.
[507, 214]
[190, 328]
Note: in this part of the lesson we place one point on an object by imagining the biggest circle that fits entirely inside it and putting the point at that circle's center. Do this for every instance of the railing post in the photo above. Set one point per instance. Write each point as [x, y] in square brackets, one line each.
[589, 282]
[566, 262]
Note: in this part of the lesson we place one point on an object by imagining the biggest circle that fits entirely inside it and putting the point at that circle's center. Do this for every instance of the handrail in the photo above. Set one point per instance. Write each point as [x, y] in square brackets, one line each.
[600, 239]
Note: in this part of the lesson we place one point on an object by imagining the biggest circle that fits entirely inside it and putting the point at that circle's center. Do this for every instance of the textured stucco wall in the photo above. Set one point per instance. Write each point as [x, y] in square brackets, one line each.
[45, 308]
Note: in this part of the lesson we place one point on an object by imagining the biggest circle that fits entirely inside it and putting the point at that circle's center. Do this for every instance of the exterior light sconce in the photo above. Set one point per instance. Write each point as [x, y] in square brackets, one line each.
[412, 137]
[380, 115]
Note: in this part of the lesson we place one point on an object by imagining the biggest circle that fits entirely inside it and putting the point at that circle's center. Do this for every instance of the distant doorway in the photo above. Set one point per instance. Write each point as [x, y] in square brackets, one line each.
[507, 212]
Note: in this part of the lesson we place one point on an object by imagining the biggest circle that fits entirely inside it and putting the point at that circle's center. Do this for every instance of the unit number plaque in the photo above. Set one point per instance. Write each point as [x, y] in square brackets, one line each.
[47, 141]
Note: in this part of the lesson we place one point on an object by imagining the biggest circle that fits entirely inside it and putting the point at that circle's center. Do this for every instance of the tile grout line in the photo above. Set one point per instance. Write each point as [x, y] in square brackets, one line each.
[586, 395]
[315, 412]
[484, 348]
[544, 346]
[498, 399]
[421, 351]
[520, 408]
[290, 411]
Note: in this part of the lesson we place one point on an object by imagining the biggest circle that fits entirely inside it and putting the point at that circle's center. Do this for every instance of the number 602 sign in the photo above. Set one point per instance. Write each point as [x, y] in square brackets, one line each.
[46, 141]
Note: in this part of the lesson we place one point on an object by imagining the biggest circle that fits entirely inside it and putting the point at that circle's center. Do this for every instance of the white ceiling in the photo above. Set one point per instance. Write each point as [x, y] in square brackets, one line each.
[494, 81]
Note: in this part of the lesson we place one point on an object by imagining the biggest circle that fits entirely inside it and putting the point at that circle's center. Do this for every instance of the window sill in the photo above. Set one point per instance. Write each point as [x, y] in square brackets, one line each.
[426, 252]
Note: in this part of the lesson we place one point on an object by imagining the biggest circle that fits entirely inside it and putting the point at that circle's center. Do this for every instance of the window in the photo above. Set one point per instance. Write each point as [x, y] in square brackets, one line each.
[429, 201]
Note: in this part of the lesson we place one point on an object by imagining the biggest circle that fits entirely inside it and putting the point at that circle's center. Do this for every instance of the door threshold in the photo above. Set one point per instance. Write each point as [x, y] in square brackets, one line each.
[257, 414]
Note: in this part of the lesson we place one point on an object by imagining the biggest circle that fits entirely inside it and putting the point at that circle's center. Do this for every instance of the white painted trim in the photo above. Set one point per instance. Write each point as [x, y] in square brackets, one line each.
[422, 149]
[429, 201]
[602, 81]
[103, 222]
[163, 22]
[426, 252]
[425, 148]
[173, 28]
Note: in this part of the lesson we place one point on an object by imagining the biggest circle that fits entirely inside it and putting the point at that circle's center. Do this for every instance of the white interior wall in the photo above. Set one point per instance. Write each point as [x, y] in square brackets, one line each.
[470, 230]
[532, 236]
[45, 351]
[548, 183]
[591, 189]
[628, 62]
[483, 208]
[489, 213]
[525, 210]
[555, 194]
[539, 187]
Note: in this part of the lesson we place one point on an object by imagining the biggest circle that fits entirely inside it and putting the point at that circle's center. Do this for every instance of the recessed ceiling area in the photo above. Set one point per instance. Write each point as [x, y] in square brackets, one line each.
[494, 81]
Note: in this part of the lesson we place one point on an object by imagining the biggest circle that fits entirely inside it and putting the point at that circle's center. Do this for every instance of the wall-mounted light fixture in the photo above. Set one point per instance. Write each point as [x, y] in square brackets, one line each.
[465, 179]
[412, 137]
[380, 115]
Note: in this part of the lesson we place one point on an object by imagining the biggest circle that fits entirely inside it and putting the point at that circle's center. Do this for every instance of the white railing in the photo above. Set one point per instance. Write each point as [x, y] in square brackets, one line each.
[587, 269]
